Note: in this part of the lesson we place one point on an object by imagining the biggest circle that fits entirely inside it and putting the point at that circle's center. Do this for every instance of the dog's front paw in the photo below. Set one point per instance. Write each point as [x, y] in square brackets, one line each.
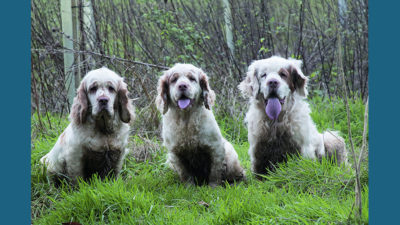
[43, 160]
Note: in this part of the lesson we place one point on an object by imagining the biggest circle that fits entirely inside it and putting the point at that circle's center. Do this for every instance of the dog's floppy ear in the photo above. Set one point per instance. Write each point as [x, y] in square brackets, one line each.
[298, 78]
[124, 104]
[208, 94]
[79, 109]
[250, 86]
[162, 100]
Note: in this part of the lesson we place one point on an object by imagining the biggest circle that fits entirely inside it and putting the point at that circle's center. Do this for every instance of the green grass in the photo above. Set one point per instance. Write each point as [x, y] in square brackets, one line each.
[147, 192]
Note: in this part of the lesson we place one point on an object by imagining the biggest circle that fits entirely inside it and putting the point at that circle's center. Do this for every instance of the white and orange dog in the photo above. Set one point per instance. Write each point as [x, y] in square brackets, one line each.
[278, 120]
[197, 150]
[95, 141]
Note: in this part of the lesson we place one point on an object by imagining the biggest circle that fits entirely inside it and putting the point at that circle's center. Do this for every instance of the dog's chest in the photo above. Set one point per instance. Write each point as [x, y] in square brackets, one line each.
[278, 143]
[100, 142]
[195, 154]
[101, 155]
[196, 160]
[185, 133]
[102, 163]
[273, 148]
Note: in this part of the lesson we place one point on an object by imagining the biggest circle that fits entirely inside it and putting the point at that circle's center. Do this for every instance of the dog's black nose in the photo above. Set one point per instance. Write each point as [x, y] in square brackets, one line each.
[182, 87]
[273, 83]
[103, 101]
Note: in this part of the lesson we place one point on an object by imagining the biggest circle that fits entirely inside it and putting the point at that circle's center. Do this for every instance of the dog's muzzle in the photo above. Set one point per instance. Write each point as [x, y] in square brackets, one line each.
[103, 103]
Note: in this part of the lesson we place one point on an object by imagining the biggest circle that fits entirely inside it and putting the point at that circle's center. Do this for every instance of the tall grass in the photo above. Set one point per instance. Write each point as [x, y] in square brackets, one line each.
[331, 114]
[147, 192]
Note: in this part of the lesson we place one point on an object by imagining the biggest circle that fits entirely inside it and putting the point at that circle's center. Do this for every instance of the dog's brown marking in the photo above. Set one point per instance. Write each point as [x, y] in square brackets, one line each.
[292, 78]
[287, 77]
[173, 78]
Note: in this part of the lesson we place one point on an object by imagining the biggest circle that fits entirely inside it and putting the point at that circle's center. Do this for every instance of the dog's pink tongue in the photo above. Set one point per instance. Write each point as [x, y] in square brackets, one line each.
[273, 108]
[183, 103]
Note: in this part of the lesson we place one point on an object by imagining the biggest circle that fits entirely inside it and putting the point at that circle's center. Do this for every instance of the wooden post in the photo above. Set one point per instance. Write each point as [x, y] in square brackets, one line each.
[228, 26]
[89, 28]
[228, 31]
[68, 35]
[75, 30]
[342, 5]
[76, 26]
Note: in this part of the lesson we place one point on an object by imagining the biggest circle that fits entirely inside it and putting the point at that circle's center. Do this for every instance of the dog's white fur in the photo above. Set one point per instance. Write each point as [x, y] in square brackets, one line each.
[192, 132]
[95, 129]
[294, 122]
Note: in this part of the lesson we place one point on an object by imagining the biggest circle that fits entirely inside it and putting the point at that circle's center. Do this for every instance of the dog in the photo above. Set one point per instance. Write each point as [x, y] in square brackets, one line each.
[196, 149]
[278, 119]
[95, 140]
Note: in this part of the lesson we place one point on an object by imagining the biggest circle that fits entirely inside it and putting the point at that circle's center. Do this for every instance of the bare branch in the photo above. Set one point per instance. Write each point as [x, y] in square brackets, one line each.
[101, 55]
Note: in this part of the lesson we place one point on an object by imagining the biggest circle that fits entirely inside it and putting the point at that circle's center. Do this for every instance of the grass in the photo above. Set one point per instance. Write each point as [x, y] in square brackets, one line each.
[147, 192]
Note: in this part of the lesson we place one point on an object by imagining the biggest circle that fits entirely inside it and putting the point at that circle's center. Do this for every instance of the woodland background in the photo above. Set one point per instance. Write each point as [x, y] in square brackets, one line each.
[163, 33]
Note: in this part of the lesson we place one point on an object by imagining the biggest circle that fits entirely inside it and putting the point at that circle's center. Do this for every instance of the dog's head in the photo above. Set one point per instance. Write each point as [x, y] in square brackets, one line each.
[273, 80]
[101, 94]
[184, 86]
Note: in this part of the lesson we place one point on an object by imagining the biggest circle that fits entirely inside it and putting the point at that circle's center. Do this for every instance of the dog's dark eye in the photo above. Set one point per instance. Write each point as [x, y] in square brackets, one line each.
[93, 89]
[174, 79]
[264, 75]
[192, 79]
[111, 89]
[282, 75]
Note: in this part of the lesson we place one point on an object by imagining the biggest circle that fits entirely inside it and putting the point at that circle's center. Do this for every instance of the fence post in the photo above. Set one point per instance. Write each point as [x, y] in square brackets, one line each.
[89, 29]
[228, 32]
[76, 26]
[68, 35]
[228, 26]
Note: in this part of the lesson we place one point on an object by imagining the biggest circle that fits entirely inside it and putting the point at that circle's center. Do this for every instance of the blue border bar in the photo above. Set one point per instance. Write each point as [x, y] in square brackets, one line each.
[384, 80]
[15, 112]
[384, 84]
